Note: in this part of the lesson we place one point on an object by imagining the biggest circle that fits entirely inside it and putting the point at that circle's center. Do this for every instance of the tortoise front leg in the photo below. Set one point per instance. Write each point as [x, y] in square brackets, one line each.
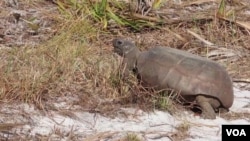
[207, 109]
[127, 67]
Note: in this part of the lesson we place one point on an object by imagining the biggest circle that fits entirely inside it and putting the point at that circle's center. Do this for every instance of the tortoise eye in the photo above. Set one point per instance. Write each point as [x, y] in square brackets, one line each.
[119, 42]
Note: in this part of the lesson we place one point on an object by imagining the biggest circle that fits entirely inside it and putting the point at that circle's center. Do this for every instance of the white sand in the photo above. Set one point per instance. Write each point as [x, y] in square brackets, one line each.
[148, 126]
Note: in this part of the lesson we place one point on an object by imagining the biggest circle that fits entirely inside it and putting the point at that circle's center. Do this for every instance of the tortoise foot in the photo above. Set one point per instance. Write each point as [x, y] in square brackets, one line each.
[208, 114]
[207, 109]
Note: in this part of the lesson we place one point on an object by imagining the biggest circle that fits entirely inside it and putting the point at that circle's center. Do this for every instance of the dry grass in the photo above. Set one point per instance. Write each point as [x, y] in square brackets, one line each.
[30, 74]
[131, 137]
[234, 115]
[9, 126]
[182, 131]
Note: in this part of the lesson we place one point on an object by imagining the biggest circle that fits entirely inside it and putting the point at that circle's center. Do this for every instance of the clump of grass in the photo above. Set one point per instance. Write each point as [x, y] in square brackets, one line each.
[182, 131]
[131, 137]
[104, 13]
[164, 101]
[183, 127]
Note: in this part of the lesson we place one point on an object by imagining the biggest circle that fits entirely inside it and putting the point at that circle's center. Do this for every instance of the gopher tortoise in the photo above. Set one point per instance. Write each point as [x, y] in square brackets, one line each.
[162, 67]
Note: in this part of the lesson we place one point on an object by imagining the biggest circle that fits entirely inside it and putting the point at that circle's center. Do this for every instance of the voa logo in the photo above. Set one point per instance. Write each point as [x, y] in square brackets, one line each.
[236, 132]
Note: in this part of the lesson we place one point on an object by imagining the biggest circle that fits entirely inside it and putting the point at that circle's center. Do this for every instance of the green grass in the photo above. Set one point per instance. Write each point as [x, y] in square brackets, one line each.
[165, 101]
[104, 13]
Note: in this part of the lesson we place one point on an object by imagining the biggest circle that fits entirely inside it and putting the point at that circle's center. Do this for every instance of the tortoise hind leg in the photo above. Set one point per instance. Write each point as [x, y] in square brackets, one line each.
[206, 106]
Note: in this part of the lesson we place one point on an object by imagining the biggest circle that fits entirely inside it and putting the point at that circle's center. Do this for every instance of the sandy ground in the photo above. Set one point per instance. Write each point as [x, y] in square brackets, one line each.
[157, 125]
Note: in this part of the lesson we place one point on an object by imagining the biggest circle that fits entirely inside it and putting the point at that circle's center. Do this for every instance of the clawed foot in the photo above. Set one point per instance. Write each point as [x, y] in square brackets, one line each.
[207, 109]
[208, 115]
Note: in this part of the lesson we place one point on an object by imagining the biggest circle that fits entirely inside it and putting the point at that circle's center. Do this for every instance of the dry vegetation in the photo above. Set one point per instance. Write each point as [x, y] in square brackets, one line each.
[64, 49]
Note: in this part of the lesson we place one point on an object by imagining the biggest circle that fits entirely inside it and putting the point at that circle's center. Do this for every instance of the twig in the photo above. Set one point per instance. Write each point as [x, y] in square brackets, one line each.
[159, 124]
[245, 25]
[175, 34]
[241, 80]
[162, 136]
[101, 135]
[9, 126]
[198, 2]
[200, 38]
[135, 15]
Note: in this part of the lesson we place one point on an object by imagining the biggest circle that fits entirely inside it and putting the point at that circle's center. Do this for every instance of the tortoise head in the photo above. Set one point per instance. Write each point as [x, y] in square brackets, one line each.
[124, 47]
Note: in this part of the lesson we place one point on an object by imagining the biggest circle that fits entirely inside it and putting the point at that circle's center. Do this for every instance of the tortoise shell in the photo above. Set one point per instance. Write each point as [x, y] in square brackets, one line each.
[164, 67]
